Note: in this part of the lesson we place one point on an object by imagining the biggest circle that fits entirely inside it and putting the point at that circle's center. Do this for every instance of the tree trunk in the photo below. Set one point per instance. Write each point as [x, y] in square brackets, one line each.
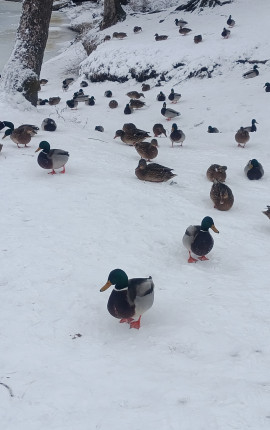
[191, 5]
[22, 70]
[113, 13]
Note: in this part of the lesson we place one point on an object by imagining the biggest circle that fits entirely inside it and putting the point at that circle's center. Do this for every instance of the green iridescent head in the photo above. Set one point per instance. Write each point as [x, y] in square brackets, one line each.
[45, 146]
[8, 132]
[254, 163]
[174, 127]
[207, 223]
[118, 278]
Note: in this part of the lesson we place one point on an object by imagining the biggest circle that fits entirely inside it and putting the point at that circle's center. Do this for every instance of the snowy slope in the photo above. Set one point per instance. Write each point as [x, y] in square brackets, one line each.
[201, 357]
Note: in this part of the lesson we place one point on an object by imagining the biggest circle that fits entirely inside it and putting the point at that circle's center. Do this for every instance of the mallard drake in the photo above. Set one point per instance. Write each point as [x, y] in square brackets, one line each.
[198, 38]
[82, 98]
[43, 81]
[137, 29]
[242, 137]
[160, 37]
[174, 97]
[251, 73]
[21, 135]
[72, 104]
[128, 110]
[222, 196]
[54, 101]
[230, 22]
[158, 129]
[136, 104]
[134, 95]
[254, 170]
[130, 298]
[90, 101]
[169, 113]
[108, 93]
[51, 158]
[161, 97]
[147, 150]
[121, 35]
[48, 124]
[252, 127]
[42, 102]
[198, 240]
[215, 171]
[267, 87]
[225, 33]
[113, 104]
[132, 137]
[212, 129]
[267, 212]
[145, 87]
[177, 136]
[184, 31]
[153, 172]
[180, 22]
[83, 84]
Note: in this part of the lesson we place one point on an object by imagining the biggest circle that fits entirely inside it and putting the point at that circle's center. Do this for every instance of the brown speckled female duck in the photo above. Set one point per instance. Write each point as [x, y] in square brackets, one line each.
[153, 172]
[215, 171]
[147, 150]
[222, 196]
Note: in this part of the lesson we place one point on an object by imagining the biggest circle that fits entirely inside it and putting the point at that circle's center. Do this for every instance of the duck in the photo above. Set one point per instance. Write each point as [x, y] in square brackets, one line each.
[43, 81]
[136, 104]
[251, 73]
[267, 87]
[130, 298]
[82, 98]
[90, 101]
[128, 110]
[169, 113]
[134, 95]
[160, 37]
[31, 128]
[180, 22]
[198, 240]
[147, 150]
[158, 129]
[121, 35]
[137, 29]
[145, 87]
[252, 127]
[99, 128]
[222, 196]
[153, 172]
[198, 38]
[215, 171]
[184, 31]
[72, 104]
[51, 158]
[128, 127]
[242, 137]
[225, 33]
[42, 102]
[48, 124]
[267, 212]
[65, 87]
[68, 81]
[132, 137]
[107, 38]
[230, 22]
[21, 135]
[161, 97]
[212, 129]
[2, 125]
[177, 136]
[113, 104]
[254, 170]
[174, 97]
[108, 93]
[84, 84]
[54, 101]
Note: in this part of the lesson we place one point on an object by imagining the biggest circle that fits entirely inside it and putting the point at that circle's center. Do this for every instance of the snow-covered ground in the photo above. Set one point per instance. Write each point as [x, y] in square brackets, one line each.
[201, 358]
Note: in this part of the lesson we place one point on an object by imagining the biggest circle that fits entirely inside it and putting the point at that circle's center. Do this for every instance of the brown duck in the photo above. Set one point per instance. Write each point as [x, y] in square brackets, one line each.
[215, 171]
[147, 150]
[158, 129]
[136, 104]
[222, 196]
[134, 95]
[242, 137]
[153, 172]
[132, 137]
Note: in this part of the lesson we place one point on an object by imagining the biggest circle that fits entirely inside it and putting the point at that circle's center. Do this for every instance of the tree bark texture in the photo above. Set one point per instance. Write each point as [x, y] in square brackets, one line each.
[22, 70]
[192, 5]
[113, 13]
